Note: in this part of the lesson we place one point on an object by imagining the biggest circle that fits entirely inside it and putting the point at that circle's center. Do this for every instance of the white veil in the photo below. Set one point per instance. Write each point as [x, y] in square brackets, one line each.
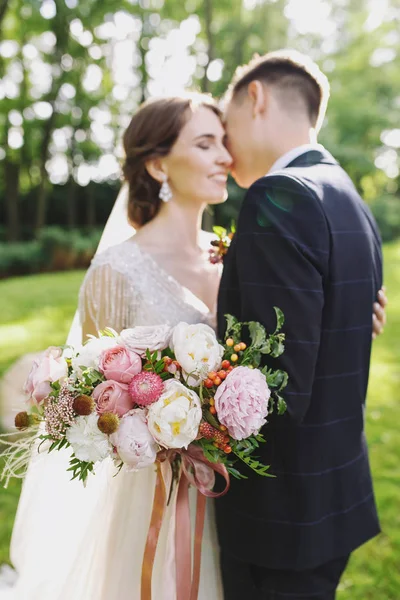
[54, 515]
[117, 230]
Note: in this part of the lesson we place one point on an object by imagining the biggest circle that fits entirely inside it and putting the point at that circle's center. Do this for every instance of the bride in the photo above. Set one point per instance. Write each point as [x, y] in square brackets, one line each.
[71, 543]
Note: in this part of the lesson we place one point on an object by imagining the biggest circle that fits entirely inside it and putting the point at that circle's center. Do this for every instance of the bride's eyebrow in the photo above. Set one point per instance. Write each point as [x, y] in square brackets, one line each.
[209, 136]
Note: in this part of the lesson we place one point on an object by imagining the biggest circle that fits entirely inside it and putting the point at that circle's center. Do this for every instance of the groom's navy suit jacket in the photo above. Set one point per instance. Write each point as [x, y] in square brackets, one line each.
[306, 243]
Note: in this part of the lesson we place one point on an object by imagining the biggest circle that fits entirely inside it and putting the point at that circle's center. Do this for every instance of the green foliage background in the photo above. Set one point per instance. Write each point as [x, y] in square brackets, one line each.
[360, 59]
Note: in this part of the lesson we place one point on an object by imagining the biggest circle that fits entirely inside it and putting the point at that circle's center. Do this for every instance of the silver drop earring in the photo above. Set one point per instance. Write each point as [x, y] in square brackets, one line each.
[165, 192]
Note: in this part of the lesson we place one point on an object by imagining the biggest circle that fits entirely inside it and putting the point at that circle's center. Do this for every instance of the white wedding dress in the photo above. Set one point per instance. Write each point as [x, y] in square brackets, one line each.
[76, 543]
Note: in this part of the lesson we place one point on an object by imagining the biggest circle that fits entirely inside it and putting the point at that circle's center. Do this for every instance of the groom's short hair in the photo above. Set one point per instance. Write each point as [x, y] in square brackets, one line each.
[293, 74]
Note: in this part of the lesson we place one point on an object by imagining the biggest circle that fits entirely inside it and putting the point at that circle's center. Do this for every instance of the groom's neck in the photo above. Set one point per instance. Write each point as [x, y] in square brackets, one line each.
[287, 141]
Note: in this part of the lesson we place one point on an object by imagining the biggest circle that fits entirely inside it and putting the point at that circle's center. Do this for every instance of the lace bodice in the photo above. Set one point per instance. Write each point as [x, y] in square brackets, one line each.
[125, 286]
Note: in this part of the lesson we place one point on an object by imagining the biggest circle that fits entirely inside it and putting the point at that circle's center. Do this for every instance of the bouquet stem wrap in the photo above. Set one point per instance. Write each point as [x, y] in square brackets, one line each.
[197, 471]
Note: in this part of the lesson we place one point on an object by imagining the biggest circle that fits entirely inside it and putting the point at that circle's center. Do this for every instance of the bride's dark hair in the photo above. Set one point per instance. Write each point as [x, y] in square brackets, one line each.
[151, 134]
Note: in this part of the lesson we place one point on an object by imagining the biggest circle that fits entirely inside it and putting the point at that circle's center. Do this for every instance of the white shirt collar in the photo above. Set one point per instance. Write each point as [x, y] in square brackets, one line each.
[285, 160]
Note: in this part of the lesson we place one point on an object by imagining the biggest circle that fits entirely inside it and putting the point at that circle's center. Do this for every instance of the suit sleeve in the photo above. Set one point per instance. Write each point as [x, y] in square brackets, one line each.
[283, 257]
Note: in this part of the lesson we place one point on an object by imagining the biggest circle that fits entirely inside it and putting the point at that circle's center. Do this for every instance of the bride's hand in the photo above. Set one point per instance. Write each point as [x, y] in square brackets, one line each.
[379, 314]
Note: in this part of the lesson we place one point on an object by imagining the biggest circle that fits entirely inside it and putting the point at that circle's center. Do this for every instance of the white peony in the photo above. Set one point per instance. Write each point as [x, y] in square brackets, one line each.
[140, 338]
[197, 351]
[89, 353]
[87, 441]
[135, 444]
[174, 419]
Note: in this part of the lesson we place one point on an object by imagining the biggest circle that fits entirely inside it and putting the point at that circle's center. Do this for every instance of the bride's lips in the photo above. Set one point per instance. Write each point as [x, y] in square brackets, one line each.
[220, 178]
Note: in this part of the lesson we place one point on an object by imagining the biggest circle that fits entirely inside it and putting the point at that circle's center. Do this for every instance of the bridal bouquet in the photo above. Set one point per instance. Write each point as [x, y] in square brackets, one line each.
[156, 393]
[173, 397]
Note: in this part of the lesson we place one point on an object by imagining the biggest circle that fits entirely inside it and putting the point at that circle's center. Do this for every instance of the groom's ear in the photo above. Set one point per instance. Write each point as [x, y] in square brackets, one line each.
[156, 169]
[258, 95]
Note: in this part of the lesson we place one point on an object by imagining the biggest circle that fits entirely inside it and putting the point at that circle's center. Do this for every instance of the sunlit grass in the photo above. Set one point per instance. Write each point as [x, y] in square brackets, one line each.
[38, 311]
[374, 573]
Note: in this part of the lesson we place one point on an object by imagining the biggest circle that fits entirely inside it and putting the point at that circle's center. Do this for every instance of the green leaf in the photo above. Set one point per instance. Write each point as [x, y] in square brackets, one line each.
[235, 473]
[280, 319]
[277, 379]
[257, 334]
[210, 418]
[232, 325]
[220, 231]
[277, 348]
[282, 406]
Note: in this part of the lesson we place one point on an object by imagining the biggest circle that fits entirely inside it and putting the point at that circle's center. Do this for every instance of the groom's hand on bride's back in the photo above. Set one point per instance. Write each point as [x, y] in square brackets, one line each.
[379, 313]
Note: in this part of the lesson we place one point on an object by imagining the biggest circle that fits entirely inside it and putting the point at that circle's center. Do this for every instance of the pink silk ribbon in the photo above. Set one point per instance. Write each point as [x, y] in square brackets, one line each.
[197, 471]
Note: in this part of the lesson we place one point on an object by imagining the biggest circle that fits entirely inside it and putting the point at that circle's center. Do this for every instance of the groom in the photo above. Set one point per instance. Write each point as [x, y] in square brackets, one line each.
[307, 243]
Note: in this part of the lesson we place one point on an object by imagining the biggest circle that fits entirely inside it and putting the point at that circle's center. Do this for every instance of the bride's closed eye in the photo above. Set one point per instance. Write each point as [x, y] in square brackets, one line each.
[204, 146]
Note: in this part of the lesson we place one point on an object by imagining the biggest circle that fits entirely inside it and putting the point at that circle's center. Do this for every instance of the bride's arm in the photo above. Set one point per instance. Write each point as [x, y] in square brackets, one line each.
[104, 301]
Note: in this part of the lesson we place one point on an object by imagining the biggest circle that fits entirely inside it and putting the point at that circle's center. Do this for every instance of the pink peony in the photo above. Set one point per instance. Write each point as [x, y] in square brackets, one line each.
[114, 397]
[241, 402]
[146, 388]
[50, 366]
[134, 443]
[120, 364]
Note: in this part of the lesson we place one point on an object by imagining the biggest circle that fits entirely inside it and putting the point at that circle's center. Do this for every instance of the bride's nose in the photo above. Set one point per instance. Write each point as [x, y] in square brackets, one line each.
[225, 158]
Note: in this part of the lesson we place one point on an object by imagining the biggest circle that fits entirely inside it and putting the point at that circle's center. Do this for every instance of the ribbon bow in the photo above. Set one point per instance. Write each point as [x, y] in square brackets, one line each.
[196, 470]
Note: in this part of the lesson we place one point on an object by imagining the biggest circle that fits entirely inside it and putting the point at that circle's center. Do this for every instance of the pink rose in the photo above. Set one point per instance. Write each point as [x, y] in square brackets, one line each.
[143, 337]
[49, 367]
[114, 397]
[120, 364]
[135, 445]
[241, 402]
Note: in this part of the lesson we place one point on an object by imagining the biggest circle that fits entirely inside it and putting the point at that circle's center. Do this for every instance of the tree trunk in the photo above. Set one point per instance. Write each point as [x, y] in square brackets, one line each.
[11, 178]
[41, 207]
[91, 206]
[71, 203]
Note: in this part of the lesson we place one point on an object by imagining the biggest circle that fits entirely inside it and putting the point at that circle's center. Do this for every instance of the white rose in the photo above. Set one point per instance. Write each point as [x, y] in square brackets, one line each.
[140, 338]
[174, 419]
[197, 351]
[89, 354]
[87, 441]
[135, 444]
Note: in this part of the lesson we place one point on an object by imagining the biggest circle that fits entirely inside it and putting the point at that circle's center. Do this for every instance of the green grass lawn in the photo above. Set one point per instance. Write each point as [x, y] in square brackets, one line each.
[37, 312]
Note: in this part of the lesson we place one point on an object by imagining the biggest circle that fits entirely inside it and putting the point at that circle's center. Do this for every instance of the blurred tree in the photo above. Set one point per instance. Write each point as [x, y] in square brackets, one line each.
[73, 72]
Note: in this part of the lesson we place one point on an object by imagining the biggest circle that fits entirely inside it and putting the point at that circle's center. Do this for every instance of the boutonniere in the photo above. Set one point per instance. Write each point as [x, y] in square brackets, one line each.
[220, 246]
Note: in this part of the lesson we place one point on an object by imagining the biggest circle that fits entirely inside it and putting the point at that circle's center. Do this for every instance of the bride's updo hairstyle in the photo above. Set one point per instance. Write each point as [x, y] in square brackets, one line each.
[152, 132]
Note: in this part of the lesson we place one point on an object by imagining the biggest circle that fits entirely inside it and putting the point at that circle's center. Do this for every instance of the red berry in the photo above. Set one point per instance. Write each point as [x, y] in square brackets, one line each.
[226, 364]
[227, 449]
[213, 410]
[208, 383]
[217, 380]
[222, 374]
[212, 375]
